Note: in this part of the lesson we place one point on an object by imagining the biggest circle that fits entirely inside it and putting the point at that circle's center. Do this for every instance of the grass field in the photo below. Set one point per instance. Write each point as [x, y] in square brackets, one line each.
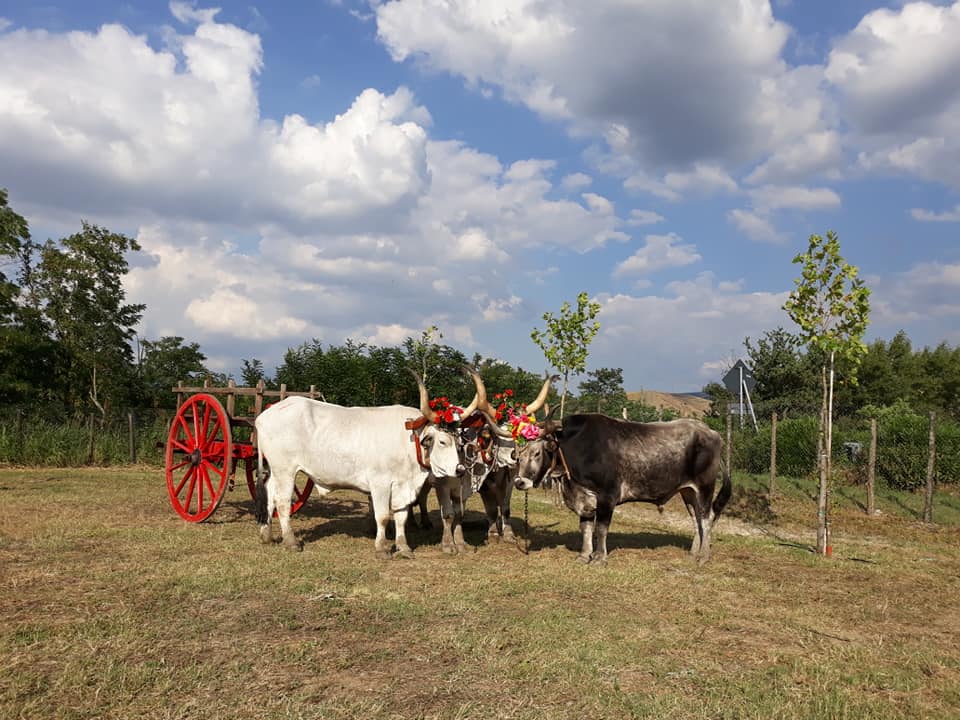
[113, 607]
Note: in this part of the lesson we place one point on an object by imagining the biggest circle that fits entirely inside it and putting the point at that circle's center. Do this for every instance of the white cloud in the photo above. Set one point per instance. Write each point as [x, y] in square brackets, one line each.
[658, 252]
[188, 13]
[931, 216]
[755, 225]
[721, 95]
[644, 217]
[4, 24]
[576, 181]
[677, 335]
[926, 297]
[179, 132]
[800, 198]
[895, 75]
[816, 152]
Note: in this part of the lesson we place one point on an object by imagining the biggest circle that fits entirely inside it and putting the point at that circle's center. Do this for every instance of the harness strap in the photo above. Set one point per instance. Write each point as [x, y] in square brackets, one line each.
[415, 425]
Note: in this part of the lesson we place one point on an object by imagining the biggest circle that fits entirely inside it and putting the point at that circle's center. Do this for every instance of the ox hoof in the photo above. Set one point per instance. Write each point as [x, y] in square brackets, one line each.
[493, 538]
[405, 553]
[383, 554]
[585, 559]
[449, 549]
[508, 536]
[598, 561]
[265, 537]
[293, 545]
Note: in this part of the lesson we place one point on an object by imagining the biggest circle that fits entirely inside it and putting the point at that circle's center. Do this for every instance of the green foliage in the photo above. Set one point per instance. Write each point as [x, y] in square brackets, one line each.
[79, 283]
[566, 339]
[48, 437]
[830, 303]
[787, 378]
[720, 399]
[163, 364]
[903, 446]
[603, 392]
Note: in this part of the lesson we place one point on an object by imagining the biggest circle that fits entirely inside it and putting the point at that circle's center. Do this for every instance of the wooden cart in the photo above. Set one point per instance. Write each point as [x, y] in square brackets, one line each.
[202, 452]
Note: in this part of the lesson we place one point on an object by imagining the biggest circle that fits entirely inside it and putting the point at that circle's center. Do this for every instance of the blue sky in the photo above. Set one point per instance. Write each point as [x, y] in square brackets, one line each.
[343, 169]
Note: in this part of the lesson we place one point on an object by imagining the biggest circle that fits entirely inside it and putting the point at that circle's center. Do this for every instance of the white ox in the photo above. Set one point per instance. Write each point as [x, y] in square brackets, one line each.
[357, 448]
[491, 461]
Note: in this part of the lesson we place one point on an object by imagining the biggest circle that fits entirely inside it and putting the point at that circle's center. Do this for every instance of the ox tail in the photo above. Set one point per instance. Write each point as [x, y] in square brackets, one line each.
[260, 501]
[723, 497]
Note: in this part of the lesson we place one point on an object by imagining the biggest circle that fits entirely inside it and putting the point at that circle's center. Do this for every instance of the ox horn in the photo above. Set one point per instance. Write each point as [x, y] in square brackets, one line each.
[483, 405]
[480, 396]
[429, 414]
[542, 397]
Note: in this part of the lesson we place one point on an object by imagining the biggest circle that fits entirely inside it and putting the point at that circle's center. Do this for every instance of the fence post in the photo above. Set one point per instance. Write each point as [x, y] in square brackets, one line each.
[90, 444]
[872, 469]
[132, 438]
[773, 453]
[231, 398]
[728, 458]
[931, 458]
[258, 400]
[283, 390]
[19, 435]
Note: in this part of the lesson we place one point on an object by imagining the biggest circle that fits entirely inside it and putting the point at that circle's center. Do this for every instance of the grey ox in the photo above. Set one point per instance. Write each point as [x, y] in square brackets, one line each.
[357, 448]
[489, 453]
[601, 462]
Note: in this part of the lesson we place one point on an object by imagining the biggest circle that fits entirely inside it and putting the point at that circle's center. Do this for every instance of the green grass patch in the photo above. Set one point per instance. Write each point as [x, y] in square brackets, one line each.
[116, 608]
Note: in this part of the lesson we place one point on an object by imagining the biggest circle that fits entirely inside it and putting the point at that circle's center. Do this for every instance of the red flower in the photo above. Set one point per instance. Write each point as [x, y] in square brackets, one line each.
[508, 392]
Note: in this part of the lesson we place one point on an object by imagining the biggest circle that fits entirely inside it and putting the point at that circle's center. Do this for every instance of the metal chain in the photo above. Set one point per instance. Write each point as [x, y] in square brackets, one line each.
[526, 522]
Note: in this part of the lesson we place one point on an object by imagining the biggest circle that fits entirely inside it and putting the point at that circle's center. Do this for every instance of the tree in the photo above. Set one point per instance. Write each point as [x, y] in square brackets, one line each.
[603, 390]
[782, 372]
[79, 285]
[566, 338]
[831, 305]
[164, 363]
[720, 399]
[24, 333]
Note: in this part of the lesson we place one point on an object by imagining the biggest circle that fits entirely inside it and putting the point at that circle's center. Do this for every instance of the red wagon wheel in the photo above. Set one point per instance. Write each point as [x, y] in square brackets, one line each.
[300, 496]
[199, 457]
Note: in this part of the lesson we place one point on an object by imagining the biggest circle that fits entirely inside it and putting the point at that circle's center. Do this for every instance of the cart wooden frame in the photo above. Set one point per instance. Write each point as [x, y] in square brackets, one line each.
[202, 453]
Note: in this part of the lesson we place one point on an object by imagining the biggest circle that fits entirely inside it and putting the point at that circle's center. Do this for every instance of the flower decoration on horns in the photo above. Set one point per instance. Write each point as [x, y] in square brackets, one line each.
[523, 426]
[448, 415]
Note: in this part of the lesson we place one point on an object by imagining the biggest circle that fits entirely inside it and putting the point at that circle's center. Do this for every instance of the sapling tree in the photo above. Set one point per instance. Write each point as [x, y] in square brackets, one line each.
[565, 339]
[831, 305]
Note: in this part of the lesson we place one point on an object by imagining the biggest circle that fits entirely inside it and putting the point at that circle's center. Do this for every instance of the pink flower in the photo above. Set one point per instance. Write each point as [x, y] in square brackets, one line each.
[530, 432]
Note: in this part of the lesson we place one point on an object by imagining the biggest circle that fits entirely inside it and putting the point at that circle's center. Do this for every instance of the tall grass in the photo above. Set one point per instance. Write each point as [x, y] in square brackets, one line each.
[39, 440]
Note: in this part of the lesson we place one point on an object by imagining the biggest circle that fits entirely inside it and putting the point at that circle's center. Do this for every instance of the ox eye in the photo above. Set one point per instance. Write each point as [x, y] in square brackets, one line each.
[513, 454]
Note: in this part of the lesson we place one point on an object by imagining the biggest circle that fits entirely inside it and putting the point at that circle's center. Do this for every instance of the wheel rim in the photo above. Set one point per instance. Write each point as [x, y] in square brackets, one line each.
[300, 495]
[198, 458]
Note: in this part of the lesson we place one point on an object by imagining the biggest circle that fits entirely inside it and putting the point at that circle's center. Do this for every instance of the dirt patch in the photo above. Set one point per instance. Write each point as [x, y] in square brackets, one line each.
[683, 405]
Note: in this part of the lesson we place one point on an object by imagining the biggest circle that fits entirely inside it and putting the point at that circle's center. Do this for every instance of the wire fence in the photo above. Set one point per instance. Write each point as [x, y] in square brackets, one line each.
[911, 450]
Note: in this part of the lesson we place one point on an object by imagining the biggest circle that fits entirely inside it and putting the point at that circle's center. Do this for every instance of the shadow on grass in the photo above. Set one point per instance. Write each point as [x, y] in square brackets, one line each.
[848, 496]
[542, 538]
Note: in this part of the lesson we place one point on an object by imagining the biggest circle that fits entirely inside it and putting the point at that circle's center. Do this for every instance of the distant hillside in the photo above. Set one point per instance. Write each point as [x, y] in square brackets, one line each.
[683, 405]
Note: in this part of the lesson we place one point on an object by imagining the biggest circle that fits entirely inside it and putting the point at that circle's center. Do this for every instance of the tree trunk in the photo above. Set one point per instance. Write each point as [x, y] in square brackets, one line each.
[773, 454]
[822, 467]
[931, 460]
[563, 396]
[872, 469]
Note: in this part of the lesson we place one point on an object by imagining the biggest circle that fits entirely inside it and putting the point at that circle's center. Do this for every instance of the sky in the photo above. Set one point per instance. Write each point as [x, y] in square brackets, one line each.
[334, 169]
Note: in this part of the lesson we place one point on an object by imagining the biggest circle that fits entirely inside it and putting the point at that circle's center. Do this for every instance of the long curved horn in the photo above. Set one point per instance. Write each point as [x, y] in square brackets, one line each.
[479, 401]
[429, 414]
[492, 422]
[542, 397]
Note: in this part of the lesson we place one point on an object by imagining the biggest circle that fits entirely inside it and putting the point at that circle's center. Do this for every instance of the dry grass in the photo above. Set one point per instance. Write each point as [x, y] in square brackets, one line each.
[115, 608]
